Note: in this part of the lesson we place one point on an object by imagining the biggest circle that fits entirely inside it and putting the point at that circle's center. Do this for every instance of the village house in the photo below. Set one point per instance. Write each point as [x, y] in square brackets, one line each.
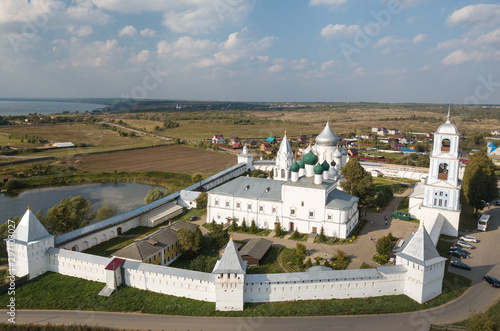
[218, 139]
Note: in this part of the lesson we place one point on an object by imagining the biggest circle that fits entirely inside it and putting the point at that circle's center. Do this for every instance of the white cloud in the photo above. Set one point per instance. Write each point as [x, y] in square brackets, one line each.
[425, 68]
[326, 2]
[186, 47]
[299, 64]
[148, 32]
[492, 37]
[359, 72]
[411, 19]
[419, 38]
[98, 54]
[128, 31]
[387, 40]
[82, 31]
[475, 15]
[460, 56]
[339, 30]
[328, 64]
[142, 57]
[276, 68]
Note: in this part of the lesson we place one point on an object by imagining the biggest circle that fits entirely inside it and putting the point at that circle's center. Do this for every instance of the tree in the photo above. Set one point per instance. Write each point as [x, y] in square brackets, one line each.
[295, 235]
[385, 244]
[196, 178]
[358, 181]
[105, 212]
[243, 226]
[321, 236]
[70, 214]
[253, 227]
[201, 200]
[309, 263]
[153, 195]
[300, 249]
[340, 256]
[479, 182]
[327, 264]
[234, 225]
[318, 261]
[218, 236]
[190, 241]
[279, 231]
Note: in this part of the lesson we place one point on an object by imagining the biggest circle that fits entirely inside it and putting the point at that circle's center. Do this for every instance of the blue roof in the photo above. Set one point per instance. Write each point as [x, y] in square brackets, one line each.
[270, 139]
[491, 144]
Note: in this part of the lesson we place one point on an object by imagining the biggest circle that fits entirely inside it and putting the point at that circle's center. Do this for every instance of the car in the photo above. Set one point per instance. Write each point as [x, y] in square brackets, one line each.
[458, 254]
[460, 250]
[498, 203]
[459, 264]
[404, 185]
[464, 244]
[194, 218]
[492, 281]
[468, 239]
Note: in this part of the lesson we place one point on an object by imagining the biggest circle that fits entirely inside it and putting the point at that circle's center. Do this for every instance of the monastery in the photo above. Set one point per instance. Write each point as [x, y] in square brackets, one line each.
[306, 196]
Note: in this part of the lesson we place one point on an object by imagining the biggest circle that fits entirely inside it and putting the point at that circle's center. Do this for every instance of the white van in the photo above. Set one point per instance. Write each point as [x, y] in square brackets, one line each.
[482, 224]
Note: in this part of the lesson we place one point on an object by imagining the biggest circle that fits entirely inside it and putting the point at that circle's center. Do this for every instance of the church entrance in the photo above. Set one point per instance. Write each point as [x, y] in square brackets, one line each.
[315, 229]
[119, 231]
[291, 227]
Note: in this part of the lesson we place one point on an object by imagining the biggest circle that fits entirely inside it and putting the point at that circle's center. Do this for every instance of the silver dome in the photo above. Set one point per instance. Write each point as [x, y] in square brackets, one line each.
[327, 137]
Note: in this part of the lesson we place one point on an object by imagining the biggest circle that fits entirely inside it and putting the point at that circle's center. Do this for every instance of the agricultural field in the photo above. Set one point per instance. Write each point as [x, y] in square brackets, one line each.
[166, 158]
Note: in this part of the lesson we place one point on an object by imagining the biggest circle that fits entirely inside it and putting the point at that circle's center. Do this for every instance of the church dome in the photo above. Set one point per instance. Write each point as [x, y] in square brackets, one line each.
[325, 166]
[301, 164]
[337, 154]
[447, 128]
[318, 169]
[343, 151]
[310, 158]
[295, 167]
[333, 163]
[327, 137]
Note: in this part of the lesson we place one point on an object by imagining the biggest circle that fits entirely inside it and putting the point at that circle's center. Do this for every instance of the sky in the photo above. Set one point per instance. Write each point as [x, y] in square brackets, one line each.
[252, 50]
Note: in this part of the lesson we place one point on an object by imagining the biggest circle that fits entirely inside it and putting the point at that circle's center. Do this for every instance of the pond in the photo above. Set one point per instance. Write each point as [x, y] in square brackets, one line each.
[123, 196]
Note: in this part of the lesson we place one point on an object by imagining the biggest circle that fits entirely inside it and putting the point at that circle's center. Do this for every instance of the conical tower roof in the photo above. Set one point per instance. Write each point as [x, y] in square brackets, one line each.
[285, 147]
[327, 137]
[420, 249]
[231, 261]
[30, 229]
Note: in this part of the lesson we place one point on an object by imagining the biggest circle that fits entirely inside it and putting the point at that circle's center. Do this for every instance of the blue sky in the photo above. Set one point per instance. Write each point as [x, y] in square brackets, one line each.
[252, 50]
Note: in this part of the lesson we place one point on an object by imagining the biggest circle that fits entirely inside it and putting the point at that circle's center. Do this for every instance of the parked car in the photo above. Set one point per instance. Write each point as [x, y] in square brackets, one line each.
[464, 244]
[468, 239]
[458, 254]
[492, 281]
[194, 218]
[498, 202]
[459, 264]
[460, 250]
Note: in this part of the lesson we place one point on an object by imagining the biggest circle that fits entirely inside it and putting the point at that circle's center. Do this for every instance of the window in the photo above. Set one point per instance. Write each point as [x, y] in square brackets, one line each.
[261, 208]
[238, 205]
[216, 202]
[302, 204]
[274, 209]
[227, 204]
[329, 217]
[168, 249]
[292, 211]
[311, 213]
[249, 206]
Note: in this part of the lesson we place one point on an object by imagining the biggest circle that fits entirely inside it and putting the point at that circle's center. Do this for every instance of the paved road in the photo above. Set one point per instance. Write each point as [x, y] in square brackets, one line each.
[479, 297]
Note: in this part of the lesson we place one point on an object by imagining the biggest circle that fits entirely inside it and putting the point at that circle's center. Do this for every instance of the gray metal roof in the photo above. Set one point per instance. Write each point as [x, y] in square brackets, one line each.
[256, 248]
[164, 270]
[418, 191]
[318, 268]
[251, 187]
[30, 229]
[333, 275]
[231, 262]
[420, 249]
[338, 199]
[308, 182]
[189, 195]
[79, 256]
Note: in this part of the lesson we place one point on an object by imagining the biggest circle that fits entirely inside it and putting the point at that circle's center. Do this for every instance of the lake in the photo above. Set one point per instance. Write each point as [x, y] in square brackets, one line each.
[123, 196]
[43, 107]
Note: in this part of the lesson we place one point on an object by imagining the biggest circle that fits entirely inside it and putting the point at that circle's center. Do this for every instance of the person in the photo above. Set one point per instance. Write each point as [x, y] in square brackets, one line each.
[386, 223]
[371, 238]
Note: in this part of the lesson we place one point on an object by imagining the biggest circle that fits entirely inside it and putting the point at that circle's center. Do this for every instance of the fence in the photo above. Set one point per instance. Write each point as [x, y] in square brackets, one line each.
[19, 281]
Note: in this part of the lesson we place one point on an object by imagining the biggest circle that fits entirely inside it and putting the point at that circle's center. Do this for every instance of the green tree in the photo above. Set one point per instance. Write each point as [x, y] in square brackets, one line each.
[321, 236]
[253, 227]
[218, 236]
[190, 241]
[318, 261]
[201, 200]
[327, 264]
[385, 244]
[479, 182]
[70, 214]
[234, 225]
[340, 256]
[105, 212]
[295, 235]
[196, 178]
[309, 263]
[154, 194]
[358, 182]
[279, 231]
[244, 226]
[300, 249]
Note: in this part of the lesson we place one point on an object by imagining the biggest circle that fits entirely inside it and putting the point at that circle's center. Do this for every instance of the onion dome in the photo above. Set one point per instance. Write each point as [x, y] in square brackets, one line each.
[337, 154]
[301, 164]
[295, 167]
[318, 169]
[327, 137]
[333, 163]
[325, 166]
[310, 158]
[343, 151]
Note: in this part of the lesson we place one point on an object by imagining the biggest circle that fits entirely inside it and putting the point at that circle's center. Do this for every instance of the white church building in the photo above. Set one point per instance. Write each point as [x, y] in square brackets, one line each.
[302, 196]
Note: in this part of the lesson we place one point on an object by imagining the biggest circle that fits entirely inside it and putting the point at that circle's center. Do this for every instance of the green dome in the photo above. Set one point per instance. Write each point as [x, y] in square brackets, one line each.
[310, 158]
[295, 167]
[318, 169]
[325, 166]
[301, 164]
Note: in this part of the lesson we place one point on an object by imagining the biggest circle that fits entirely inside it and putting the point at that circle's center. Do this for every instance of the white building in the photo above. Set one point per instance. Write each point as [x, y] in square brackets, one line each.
[437, 198]
[303, 195]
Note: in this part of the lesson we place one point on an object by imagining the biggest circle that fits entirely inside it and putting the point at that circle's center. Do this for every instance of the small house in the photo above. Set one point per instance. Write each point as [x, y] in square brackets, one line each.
[218, 139]
[254, 250]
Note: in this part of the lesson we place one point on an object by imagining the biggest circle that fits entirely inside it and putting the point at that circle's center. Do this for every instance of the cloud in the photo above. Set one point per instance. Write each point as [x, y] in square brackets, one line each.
[148, 32]
[359, 72]
[419, 38]
[328, 64]
[128, 31]
[326, 2]
[475, 16]
[339, 30]
[492, 37]
[186, 47]
[460, 56]
[425, 68]
[142, 57]
[299, 64]
[82, 31]
[276, 68]
[411, 20]
[98, 54]
[387, 40]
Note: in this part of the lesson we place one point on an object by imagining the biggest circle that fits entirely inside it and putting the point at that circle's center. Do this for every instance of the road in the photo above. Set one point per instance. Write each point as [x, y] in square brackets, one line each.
[478, 298]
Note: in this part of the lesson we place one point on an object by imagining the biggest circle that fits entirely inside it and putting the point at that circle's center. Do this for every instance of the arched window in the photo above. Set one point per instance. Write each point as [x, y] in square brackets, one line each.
[283, 173]
[445, 145]
[443, 171]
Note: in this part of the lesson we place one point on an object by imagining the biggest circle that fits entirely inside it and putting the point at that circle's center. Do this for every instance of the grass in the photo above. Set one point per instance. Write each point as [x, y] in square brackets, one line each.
[55, 291]
[259, 232]
[493, 314]
[50, 327]
[300, 237]
[110, 246]
[3, 276]
[468, 221]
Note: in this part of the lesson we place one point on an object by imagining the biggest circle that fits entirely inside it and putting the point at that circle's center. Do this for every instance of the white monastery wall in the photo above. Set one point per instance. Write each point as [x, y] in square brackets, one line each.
[75, 264]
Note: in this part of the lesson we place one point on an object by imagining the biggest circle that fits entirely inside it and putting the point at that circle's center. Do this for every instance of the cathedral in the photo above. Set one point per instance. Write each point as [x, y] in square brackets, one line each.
[303, 195]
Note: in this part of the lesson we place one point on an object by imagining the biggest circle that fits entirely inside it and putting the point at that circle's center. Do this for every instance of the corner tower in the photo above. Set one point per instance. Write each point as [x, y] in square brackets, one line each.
[284, 160]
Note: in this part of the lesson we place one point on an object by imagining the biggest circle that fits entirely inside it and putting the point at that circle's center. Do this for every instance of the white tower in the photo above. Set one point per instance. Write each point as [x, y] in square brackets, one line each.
[326, 144]
[424, 265]
[229, 274]
[246, 157]
[284, 160]
[28, 243]
[440, 192]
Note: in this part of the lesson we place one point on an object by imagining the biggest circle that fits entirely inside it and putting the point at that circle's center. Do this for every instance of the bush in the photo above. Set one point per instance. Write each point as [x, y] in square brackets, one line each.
[317, 263]
[380, 258]
[13, 184]
[309, 263]
[326, 264]
[279, 232]
[295, 235]
[301, 249]
[244, 226]
[385, 245]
